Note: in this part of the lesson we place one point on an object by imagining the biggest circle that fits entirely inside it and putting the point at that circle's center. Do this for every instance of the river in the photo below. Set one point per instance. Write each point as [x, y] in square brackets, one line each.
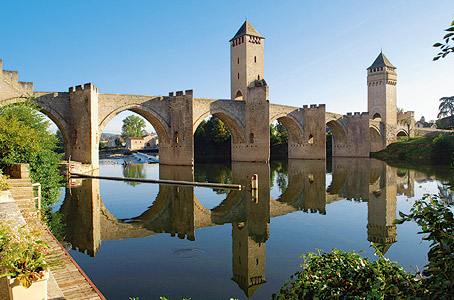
[147, 240]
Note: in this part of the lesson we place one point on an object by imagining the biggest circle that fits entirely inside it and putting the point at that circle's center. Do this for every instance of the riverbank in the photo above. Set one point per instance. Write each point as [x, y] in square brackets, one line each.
[67, 280]
[420, 149]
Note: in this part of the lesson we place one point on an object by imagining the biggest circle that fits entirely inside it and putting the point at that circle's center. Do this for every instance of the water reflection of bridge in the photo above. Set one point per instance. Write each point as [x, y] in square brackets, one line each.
[177, 211]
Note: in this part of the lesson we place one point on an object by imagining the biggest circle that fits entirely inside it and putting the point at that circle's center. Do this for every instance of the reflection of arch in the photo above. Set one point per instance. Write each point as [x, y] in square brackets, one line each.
[233, 124]
[294, 129]
[150, 115]
[376, 141]
[339, 133]
[239, 95]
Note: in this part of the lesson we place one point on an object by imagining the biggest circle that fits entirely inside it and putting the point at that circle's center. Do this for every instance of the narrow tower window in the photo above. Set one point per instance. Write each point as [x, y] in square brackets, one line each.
[251, 138]
[255, 59]
[238, 60]
[258, 77]
[176, 137]
[238, 75]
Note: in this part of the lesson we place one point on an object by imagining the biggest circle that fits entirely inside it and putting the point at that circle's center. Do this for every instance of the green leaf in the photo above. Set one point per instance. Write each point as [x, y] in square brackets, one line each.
[437, 45]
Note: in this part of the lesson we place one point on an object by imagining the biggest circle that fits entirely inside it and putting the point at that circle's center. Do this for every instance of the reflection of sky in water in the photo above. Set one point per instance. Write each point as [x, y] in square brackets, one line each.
[162, 265]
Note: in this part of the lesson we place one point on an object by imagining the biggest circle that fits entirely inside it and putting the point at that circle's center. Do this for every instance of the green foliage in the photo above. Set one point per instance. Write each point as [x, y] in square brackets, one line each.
[24, 138]
[212, 141]
[118, 142]
[278, 140]
[348, 275]
[437, 150]
[60, 142]
[133, 126]
[446, 47]
[3, 183]
[446, 107]
[134, 171]
[443, 148]
[22, 254]
[436, 220]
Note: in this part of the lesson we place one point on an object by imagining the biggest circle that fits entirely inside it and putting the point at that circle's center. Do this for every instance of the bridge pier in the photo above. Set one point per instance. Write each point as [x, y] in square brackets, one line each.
[255, 147]
[84, 135]
[179, 148]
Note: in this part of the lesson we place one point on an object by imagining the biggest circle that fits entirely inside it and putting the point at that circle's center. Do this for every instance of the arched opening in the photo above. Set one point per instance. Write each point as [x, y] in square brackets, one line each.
[251, 138]
[402, 135]
[239, 96]
[376, 141]
[336, 138]
[284, 132]
[126, 133]
[376, 117]
[310, 139]
[212, 140]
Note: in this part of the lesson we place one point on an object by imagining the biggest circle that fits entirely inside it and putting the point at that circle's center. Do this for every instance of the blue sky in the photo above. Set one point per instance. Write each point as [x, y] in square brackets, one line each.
[315, 51]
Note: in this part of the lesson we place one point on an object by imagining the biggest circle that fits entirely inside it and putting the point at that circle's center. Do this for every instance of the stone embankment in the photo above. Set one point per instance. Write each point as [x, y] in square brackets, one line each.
[67, 280]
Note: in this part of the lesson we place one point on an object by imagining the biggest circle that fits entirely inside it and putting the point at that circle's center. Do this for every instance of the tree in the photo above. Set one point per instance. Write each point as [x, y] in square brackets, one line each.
[446, 48]
[133, 126]
[25, 138]
[118, 142]
[446, 107]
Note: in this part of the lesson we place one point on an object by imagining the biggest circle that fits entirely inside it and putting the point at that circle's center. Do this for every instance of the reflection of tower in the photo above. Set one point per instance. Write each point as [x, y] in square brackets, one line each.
[248, 259]
[246, 60]
[249, 236]
[382, 213]
[81, 210]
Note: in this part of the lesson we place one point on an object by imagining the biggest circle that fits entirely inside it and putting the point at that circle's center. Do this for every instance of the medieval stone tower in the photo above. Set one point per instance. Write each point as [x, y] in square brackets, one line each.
[246, 60]
[381, 95]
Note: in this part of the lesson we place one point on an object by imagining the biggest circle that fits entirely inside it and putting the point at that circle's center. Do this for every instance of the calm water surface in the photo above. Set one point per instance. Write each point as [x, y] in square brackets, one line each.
[148, 240]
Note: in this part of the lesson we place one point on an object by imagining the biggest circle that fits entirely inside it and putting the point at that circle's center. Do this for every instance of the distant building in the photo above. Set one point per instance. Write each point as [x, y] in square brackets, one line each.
[423, 124]
[146, 142]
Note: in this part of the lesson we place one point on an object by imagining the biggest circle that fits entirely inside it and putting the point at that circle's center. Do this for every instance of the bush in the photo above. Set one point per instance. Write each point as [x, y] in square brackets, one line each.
[339, 275]
[443, 148]
[348, 275]
[24, 138]
[434, 215]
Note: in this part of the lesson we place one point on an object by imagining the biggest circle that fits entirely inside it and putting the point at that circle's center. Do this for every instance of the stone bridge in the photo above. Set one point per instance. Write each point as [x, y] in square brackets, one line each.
[82, 113]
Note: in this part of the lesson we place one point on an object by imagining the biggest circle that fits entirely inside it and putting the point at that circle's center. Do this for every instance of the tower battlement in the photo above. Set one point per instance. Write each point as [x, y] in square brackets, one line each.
[86, 87]
[180, 93]
[313, 107]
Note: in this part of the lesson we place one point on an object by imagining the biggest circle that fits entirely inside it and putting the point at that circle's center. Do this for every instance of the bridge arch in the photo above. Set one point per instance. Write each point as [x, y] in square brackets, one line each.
[234, 125]
[339, 132]
[294, 128]
[376, 139]
[157, 121]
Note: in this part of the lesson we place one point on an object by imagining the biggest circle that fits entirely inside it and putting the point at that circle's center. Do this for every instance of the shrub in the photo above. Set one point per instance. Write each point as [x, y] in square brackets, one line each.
[348, 275]
[434, 215]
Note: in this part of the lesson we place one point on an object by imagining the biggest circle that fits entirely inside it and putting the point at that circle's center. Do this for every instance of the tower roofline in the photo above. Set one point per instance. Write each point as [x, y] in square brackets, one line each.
[246, 29]
[381, 61]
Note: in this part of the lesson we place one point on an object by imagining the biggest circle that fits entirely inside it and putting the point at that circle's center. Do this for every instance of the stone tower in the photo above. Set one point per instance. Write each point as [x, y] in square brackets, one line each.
[246, 60]
[381, 95]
